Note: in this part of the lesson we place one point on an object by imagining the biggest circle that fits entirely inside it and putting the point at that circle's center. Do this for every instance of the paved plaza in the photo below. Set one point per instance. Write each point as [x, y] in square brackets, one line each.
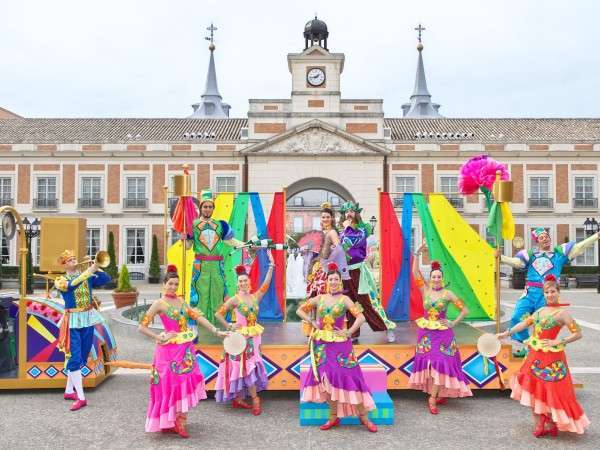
[116, 412]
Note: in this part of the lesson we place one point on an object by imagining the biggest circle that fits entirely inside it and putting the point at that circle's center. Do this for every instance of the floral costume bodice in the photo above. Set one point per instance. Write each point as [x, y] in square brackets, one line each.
[544, 327]
[246, 316]
[176, 320]
[329, 319]
[434, 311]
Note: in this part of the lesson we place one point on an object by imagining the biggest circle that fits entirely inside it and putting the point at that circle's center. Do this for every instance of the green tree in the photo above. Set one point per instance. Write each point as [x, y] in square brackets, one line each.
[124, 284]
[154, 270]
[111, 269]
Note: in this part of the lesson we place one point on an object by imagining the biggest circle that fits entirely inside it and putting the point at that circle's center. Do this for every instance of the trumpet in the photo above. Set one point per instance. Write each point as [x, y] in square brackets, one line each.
[101, 259]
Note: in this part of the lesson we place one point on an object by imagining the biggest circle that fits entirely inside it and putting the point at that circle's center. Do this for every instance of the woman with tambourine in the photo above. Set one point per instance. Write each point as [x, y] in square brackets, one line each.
[335, 376]
[176, 382]
[244, 374]
[437, 368]
[544, 382]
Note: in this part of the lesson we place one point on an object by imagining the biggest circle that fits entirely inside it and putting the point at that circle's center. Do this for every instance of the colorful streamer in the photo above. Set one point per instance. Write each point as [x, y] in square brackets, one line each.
[453, 274]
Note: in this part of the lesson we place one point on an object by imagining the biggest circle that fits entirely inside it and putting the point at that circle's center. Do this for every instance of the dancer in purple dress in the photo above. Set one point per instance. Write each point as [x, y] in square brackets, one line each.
[336, 375]
[244, 374]
[437, 368]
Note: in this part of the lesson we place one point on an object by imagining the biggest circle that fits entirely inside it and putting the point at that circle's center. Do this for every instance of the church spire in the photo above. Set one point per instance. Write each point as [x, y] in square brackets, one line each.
[420, 105]
[211, 104]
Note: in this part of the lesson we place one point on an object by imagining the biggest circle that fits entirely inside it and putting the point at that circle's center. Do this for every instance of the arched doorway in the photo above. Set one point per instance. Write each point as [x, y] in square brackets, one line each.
[304, 199]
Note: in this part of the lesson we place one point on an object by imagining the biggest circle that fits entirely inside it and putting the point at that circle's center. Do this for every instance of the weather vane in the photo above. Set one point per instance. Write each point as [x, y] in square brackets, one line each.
[420, 29]
[212, 30]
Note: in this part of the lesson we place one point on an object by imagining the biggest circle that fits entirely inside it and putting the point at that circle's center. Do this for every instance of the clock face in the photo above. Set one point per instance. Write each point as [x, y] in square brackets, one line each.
[315, 77]
[9, 226]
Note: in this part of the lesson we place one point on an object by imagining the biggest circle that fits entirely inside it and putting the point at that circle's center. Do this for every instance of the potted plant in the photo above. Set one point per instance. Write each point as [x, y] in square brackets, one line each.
[154, 271]
[111, 269]
[125, 294]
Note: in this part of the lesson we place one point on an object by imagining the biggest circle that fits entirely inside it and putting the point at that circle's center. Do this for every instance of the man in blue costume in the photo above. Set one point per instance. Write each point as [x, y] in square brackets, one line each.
[78, 322]
[547, 260]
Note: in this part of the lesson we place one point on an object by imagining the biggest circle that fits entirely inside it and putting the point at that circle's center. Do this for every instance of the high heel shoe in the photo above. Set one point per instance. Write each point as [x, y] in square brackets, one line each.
[368, 424]
[240, 404]
[330, 424]
[540, 429]
[256, 409]
[180, 427]
[431, 402]
[553, 430]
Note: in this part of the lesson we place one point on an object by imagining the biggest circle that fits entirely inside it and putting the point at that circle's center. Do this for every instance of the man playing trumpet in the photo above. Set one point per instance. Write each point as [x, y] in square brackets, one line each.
[80, 317]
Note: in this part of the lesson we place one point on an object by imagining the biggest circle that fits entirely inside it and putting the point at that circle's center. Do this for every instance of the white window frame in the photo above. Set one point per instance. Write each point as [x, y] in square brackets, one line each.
[550, 186]
[100, 241]
[316, 222]
[9, 245]
[295, 222]
[235, 176]
[131, 176]
[11, 177]
[124, 247]
[590, 250]
[90, 175]
[34, 186]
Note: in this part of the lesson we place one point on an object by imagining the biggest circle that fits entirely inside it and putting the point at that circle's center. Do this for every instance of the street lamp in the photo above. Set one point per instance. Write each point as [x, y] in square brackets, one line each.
[591, 226]
[32, 230]
[373, 221]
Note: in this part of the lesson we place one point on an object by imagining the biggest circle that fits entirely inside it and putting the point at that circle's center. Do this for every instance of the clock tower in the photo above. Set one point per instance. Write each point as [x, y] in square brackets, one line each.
[315, 72]
[316, 95]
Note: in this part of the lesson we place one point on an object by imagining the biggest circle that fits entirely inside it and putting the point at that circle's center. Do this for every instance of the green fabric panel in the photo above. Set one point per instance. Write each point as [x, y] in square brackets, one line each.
[237, 222]
[494, 223]
[453, 275]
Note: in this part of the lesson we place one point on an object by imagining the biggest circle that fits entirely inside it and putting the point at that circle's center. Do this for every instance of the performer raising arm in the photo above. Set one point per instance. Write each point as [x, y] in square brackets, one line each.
[176, 383]
[244, 374]
[544, 382]
[437, 368]
[547, 260]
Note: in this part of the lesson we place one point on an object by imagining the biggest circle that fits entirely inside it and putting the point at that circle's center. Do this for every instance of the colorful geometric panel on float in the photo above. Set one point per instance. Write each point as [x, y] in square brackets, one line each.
[480, 370]
[271, 368]
[315, 414]
[208, 366]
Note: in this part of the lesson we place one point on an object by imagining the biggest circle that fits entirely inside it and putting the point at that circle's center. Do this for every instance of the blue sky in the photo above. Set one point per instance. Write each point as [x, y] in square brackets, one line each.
[148, 58]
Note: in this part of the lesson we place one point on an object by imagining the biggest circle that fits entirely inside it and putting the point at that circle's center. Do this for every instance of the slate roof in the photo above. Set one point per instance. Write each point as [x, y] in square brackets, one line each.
[131, 130]
[497, 130]
[65, 131]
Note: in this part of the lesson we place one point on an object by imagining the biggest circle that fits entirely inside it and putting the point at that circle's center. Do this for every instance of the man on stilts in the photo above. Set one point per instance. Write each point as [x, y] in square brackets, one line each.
[211, 239]
[547, 260]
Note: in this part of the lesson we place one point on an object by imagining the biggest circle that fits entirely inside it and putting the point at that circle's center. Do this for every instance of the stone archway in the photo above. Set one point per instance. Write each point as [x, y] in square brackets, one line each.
[319, 183]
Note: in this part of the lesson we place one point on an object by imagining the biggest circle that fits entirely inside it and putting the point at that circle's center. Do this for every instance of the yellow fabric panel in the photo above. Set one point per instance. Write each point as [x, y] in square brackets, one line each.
[34, 323]
[175, 257]
[473, 254]
[508, 222]
[223, 206]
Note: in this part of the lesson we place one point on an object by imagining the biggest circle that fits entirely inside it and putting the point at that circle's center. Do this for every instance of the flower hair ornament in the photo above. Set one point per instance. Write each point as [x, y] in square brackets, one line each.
[332, 267]
[550, 278]
[240, 270]
[172, 268]
[435, 265]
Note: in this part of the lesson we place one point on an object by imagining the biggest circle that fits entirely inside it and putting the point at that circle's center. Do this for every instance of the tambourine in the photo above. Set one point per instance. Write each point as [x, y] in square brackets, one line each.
[306, 328]
[234, 344]
[488, 345]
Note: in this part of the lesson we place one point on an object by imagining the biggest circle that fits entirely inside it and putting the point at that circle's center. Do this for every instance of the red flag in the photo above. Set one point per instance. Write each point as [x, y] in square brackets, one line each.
[390, 247]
